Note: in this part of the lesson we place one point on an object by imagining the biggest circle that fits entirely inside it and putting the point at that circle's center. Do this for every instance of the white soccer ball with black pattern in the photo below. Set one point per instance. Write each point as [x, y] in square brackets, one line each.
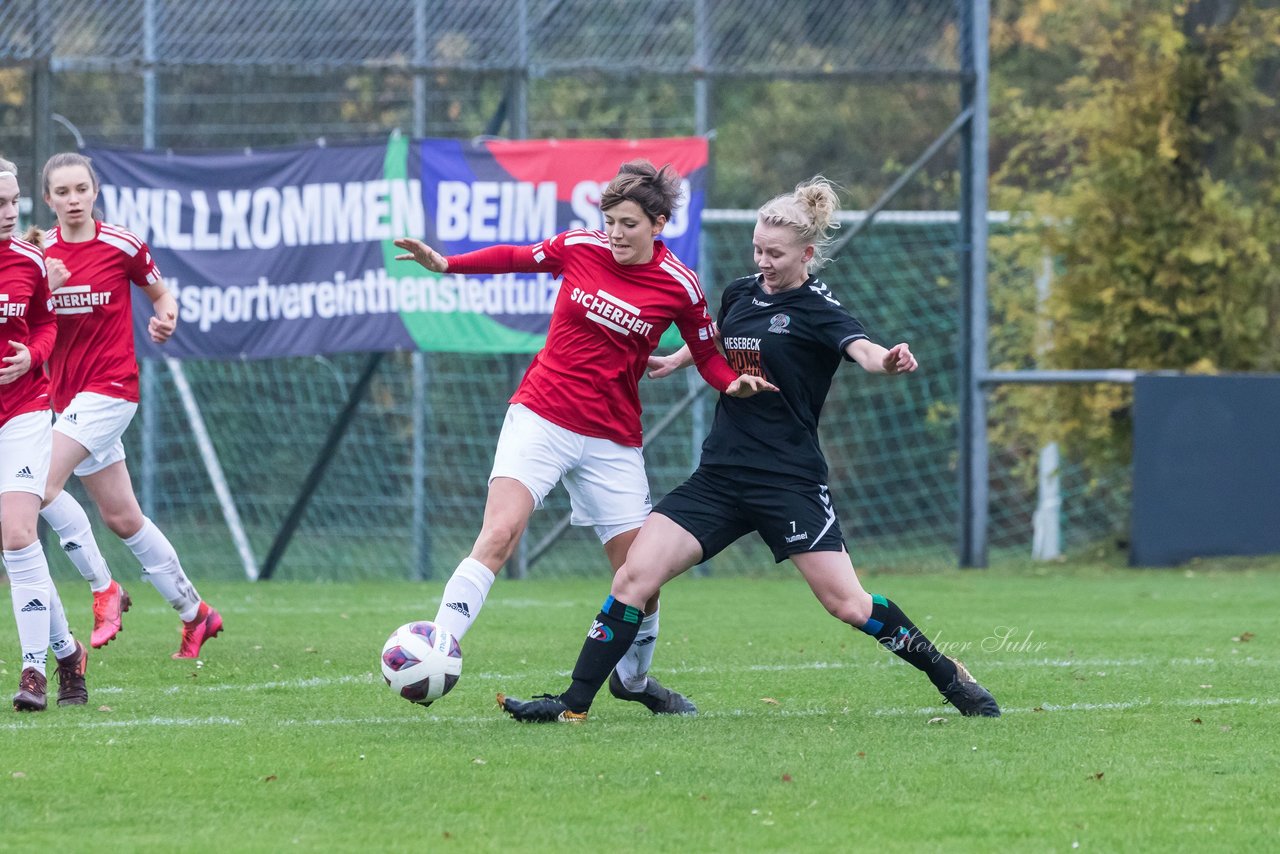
[421, 662]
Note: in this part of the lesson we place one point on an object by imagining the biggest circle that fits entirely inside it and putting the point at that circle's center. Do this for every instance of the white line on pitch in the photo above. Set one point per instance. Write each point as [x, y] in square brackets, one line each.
[471, 720]
[370, 678]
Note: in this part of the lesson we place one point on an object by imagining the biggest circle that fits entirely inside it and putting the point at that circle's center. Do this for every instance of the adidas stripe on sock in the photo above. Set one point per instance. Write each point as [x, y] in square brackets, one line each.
[464, 596]
[634, 667]
[29, 588]
[69, 521]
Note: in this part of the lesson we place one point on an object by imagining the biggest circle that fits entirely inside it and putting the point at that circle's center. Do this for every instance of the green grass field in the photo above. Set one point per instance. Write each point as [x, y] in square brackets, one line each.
[1140, 715]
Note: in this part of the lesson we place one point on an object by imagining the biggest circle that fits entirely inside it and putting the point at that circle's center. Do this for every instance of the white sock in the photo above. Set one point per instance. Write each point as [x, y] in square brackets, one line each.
[633, 669]
[65, 515]
[161, 568]
[464, 596]
[29, 585]
[60, 639]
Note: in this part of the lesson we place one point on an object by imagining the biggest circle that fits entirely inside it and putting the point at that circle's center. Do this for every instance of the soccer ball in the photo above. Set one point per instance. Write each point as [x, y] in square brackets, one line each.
[421, 662]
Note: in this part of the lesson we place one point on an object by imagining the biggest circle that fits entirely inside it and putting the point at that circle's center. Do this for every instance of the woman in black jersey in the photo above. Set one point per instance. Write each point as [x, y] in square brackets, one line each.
[762, 468]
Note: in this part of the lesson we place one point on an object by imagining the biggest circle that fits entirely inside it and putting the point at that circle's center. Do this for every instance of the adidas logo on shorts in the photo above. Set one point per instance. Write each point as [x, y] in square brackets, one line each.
[25, 471]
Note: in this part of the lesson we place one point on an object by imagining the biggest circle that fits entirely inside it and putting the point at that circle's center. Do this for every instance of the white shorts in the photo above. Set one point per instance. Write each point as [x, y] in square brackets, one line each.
[26, 445]
[97, 422]
[606, 481]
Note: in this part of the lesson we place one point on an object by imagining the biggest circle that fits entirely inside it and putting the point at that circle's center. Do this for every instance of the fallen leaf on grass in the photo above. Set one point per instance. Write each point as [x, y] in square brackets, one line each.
[1244, 637]
[937, 720]
[1097, 775]
[1196, 721]
[1038, 709]
[862, 755]
[270, 778]
[478, 761]
[786, 778]
[104, 708]
[770, 701]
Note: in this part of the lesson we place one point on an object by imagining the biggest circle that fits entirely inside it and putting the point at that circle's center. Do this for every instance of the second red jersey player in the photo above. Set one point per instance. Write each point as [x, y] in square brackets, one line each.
[94, 383]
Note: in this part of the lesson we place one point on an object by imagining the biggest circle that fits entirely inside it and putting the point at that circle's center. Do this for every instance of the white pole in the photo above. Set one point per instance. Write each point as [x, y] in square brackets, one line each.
[1046, 523]
[212, 465]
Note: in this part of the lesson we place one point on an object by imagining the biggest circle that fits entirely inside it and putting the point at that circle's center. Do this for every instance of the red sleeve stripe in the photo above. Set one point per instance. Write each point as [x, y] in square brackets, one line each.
[26, 250]
[685, 278]
[594, 238]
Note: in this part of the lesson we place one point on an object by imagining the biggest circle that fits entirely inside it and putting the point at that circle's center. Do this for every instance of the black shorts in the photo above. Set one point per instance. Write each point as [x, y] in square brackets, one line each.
[719, 504]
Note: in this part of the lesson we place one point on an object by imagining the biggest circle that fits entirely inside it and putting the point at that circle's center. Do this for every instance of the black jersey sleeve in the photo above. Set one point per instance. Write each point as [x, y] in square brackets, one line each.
[833, 324]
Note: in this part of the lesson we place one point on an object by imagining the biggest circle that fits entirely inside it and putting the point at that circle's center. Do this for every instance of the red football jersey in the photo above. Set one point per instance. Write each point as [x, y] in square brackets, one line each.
[606, 322]
[25, 316]
[94, 351]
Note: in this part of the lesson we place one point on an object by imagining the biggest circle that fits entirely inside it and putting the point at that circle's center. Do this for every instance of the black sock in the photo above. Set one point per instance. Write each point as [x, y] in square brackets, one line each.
[611, 635]
[900, 636]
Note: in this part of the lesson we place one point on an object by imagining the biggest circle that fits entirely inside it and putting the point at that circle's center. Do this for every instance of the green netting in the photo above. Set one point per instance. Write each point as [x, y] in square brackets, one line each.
[268, 420]
[891, 442]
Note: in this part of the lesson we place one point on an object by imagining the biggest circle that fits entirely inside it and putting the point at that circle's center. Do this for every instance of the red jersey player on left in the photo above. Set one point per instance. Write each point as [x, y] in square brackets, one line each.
[94, 384]
[27, 332]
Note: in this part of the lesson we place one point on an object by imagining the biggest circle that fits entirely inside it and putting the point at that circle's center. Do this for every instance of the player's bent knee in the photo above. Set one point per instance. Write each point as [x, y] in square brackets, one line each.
[123, 525]
[634, 586]
[496, 544]
[853, 612]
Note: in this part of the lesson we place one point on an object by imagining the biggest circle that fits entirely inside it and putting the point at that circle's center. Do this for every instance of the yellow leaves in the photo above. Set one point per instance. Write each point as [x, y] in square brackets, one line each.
[1201, 254]
[1166, 146]
[1203, 366]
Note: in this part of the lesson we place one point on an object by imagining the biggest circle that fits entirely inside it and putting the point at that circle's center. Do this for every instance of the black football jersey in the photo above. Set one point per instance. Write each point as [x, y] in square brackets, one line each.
[795, 340]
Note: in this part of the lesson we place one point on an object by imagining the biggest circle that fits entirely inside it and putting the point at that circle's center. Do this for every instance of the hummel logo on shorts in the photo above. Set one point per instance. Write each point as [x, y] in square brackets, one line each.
[33, 605]
[25, 471]
[461, 608]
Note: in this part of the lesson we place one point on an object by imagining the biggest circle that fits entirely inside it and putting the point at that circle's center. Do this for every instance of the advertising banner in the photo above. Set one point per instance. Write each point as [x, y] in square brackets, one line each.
[288, 252]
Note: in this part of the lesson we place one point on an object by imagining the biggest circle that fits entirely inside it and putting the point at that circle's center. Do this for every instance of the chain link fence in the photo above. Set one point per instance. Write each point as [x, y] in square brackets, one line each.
[854, 89]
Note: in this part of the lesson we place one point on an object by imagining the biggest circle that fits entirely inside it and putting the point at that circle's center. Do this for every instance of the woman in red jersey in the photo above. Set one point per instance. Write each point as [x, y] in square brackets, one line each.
[576, 414]
[94, 381]
[27, 330]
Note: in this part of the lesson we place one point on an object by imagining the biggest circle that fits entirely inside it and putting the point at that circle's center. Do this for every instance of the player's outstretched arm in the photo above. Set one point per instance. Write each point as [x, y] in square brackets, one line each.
[663, 366]
[875, 359]
[748, 385]
[416, 250]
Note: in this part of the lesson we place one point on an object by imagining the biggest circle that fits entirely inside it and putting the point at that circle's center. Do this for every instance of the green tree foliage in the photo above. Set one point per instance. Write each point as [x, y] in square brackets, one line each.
[1151, 176]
